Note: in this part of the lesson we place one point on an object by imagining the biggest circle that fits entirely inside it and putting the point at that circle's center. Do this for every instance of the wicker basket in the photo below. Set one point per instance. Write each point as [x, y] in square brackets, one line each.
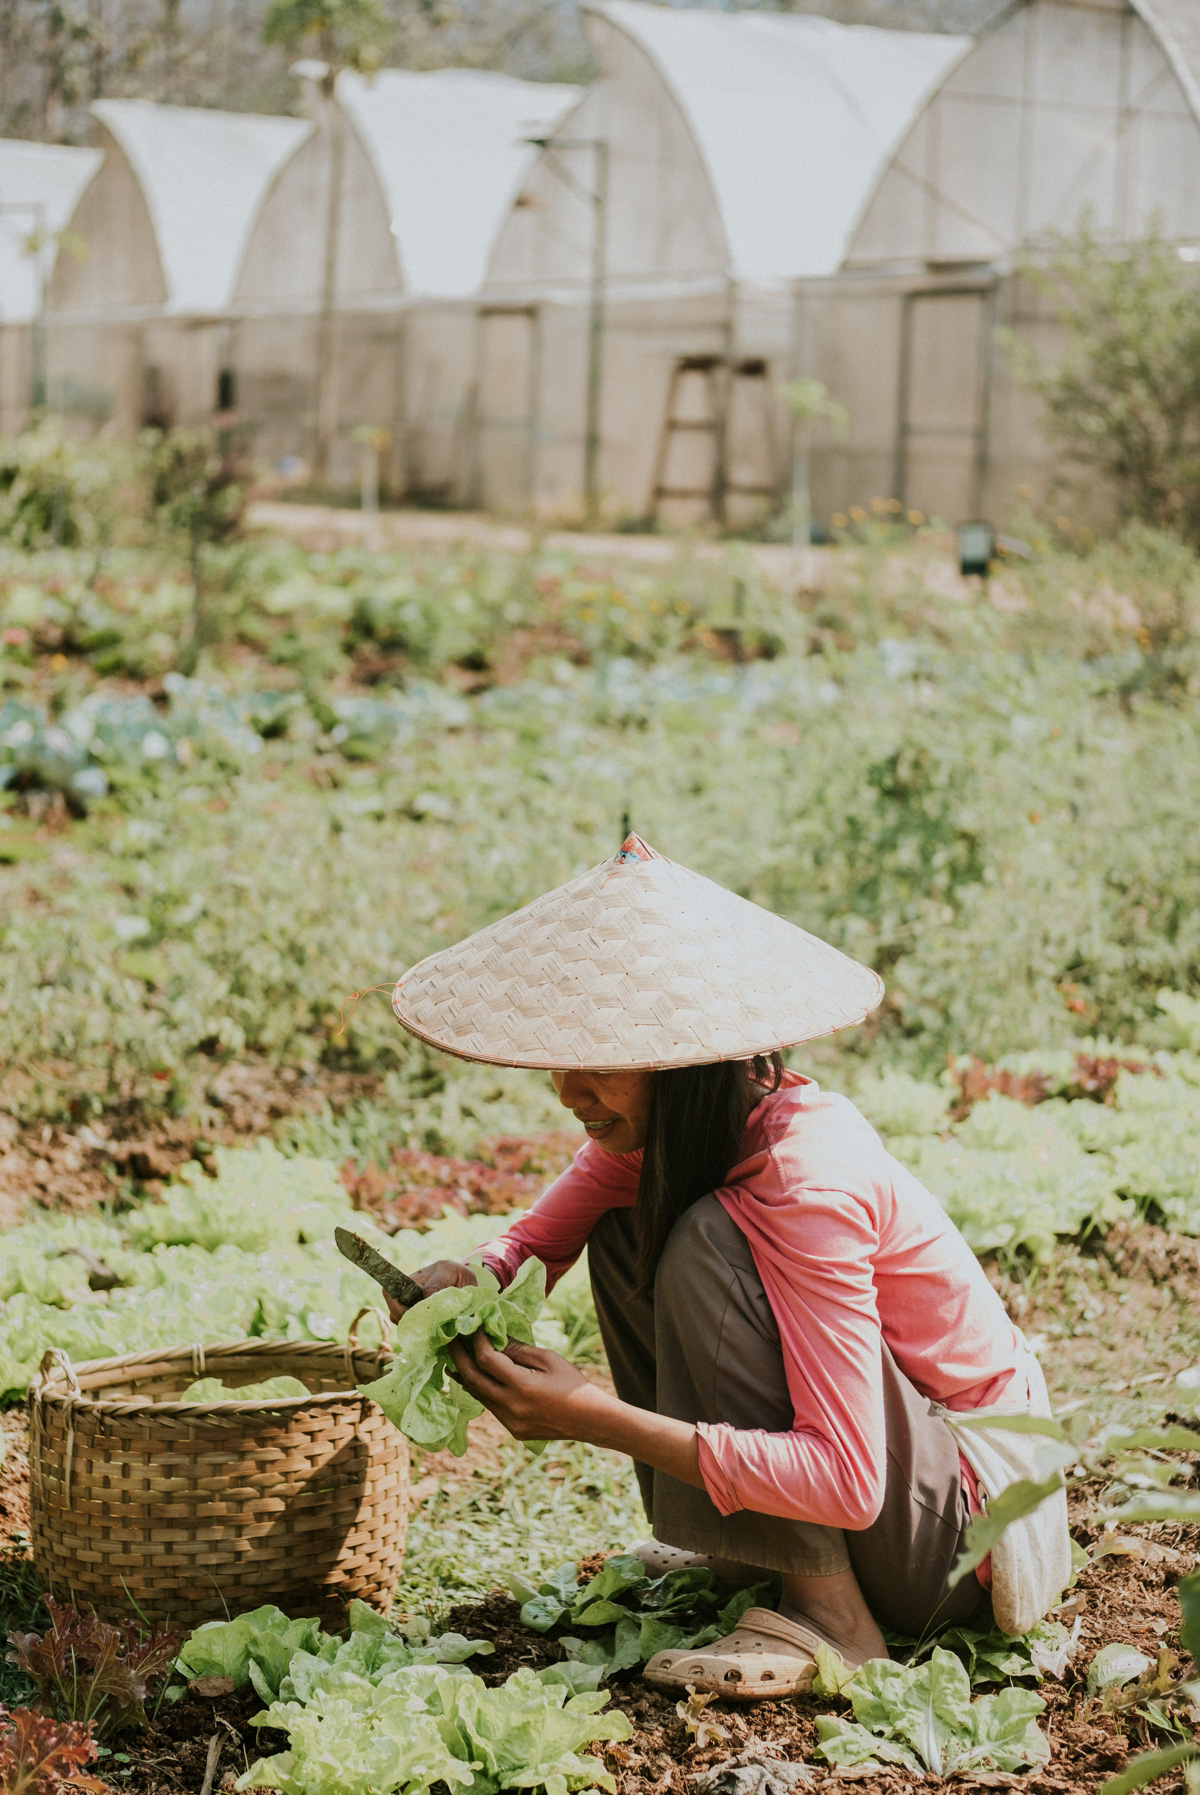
[189, 1511]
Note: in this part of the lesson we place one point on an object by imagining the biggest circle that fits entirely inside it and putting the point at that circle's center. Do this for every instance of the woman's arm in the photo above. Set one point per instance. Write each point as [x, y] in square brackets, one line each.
[537, 1395]
[556, 1229]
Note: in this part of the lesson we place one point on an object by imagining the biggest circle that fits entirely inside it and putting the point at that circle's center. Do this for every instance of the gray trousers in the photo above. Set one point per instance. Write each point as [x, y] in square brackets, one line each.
[706, 1348]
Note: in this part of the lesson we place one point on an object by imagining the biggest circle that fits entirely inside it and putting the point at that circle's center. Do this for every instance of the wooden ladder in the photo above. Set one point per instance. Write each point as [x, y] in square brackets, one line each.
[711, 370]
[719, 375]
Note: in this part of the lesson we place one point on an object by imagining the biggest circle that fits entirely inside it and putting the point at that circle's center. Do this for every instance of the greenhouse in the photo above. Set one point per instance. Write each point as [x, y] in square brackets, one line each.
[40, 186]
[718, 158]
[140, 317]
[430, 164]
[1061, 110]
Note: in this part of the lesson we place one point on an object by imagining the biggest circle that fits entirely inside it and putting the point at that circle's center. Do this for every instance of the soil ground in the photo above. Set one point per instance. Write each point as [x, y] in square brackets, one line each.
[1118, 1598]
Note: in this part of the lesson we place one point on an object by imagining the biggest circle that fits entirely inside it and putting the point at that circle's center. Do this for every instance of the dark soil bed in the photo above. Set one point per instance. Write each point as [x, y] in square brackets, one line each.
[1119, 1597]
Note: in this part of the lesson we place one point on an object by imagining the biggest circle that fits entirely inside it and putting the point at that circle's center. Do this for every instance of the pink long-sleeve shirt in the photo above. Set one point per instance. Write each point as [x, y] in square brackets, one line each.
[851, 1249]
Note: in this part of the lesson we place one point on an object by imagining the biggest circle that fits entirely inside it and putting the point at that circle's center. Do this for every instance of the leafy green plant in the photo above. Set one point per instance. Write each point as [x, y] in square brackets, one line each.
[88, 1671]
[923, 1718]
[282, 1659]
[57, 490]
[990, 1656]
[1124, 399]
[423, 1724]
[1141, 1463]
[421, 1394]
[196, 495]
[644, 1613]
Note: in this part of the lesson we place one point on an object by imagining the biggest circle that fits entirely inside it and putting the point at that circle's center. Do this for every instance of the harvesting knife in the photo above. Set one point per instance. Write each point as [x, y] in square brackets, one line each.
[391, 1280]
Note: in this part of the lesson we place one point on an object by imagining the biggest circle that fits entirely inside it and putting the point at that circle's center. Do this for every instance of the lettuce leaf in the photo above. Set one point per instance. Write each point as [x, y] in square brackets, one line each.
[641, 1610]
[922, 1716]
[421, 1394]
[282, 1658]
[423, 1723]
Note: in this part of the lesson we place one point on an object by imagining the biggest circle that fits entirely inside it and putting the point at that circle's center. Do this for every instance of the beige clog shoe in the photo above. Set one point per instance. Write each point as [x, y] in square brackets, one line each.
[765, 1656]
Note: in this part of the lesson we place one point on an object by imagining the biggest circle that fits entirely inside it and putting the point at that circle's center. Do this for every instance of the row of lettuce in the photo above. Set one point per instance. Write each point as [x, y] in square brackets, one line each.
[383, 1711]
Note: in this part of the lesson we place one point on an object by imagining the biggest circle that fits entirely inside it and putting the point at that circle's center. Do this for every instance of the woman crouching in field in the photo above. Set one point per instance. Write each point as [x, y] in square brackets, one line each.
[792, 1322]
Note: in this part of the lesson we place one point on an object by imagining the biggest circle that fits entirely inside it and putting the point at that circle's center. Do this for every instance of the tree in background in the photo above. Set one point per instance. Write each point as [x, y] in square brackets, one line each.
[1124, 400]
[195, 496]
[56, 56]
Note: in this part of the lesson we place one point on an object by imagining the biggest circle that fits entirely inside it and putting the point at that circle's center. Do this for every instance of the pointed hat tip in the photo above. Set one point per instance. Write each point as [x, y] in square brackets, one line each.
[634, 848]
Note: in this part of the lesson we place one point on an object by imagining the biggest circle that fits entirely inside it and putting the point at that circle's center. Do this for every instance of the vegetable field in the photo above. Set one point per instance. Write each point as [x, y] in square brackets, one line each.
[211, 844]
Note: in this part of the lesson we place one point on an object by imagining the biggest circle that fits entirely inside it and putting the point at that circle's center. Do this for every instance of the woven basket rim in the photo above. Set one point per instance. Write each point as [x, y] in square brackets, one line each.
[125, 1405]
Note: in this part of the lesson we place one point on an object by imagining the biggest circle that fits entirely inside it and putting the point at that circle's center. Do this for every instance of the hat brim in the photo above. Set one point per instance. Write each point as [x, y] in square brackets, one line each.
[638, 964]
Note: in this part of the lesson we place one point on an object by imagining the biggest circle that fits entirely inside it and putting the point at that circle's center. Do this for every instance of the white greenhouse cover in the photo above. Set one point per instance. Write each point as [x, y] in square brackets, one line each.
[204, 175]
[40, 187]
[1176, 24]
[449, 150]
[795, 116]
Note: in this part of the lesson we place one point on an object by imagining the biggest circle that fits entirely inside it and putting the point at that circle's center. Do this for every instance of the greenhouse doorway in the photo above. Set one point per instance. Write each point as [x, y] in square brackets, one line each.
[506, 426]
[942, 421]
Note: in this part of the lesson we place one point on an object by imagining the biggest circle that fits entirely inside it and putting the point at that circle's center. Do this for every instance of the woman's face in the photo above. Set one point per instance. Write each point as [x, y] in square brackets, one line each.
[613, 1106]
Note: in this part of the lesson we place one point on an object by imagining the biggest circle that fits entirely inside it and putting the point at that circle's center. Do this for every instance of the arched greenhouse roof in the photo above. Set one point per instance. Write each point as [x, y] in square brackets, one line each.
[1176, 25]
[204, 175]
[450, 152]
[796, 119]
[40, 186]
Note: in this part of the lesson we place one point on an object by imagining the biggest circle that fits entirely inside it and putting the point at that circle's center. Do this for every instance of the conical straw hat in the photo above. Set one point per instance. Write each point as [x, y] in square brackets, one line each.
[637, 963]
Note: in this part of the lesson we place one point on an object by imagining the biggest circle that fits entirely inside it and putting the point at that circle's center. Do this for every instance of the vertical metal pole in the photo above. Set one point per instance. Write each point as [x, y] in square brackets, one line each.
[801, 429]
[983, 452]
[38, 341]
[326, 395]
[595, 360]
[533, 406]
[900, 451]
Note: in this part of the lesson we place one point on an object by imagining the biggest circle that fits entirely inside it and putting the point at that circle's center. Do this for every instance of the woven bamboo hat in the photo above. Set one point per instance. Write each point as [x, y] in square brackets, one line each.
[638, 963]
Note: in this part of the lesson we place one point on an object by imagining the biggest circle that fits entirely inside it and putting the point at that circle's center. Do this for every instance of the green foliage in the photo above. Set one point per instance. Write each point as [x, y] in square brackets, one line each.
[514, 1520]
[383, 1727]
[421, 1394]
[347, 33]
[87, 1671]
[243, 1254]
[992, 808]
[923, 1718]
[645, 1614]
[57, 490]
[283, 1659]
[990, 1656]
[1125, 400]
[382, 1713]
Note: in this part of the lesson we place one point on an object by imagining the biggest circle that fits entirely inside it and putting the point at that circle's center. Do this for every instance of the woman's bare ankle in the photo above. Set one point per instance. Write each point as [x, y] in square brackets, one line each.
[835, 1607]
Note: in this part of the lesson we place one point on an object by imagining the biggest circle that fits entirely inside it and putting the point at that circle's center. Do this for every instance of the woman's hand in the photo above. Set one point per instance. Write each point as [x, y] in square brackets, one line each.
[443, 1274]
[534, 1393]
[537, 1395]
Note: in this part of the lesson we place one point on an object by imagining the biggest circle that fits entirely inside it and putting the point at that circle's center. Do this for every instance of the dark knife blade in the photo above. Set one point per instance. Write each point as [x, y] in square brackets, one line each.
[391, 1280]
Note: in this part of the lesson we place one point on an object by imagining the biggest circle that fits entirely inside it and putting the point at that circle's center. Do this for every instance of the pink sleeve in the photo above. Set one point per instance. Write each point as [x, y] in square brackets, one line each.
[819, 1281]
[557, 1227]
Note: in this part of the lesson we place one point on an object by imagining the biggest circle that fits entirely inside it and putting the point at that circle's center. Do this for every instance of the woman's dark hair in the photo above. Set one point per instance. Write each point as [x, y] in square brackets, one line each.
[694, 1134]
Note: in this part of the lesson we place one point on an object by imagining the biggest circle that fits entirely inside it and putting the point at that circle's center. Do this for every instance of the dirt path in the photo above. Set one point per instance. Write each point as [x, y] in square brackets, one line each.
[323, 528]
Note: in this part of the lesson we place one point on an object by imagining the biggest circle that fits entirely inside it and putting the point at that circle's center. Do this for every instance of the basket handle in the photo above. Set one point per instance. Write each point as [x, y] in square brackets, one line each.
[55, 1356]
[385, 1328]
